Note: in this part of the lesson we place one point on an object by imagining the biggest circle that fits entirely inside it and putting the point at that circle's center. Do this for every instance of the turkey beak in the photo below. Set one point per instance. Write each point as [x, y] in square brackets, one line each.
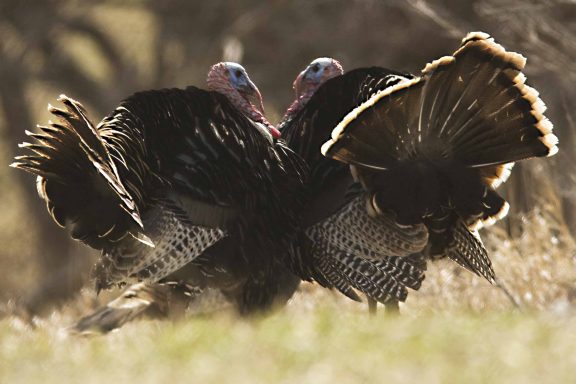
[251, 93]
[297, 85]
[259, 99]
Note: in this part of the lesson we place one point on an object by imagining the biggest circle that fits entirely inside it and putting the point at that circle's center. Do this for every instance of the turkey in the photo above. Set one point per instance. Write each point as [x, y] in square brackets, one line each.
[338, 225]
[177, 184]
[186, 188]
[431, 150]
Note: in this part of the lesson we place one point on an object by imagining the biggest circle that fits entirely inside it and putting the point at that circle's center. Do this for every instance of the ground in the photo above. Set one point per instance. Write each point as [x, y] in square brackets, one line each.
[325, 344]
[457, 328]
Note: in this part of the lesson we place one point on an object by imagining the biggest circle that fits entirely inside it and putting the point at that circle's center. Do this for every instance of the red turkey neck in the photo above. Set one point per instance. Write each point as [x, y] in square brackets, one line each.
[300, 102]
[305, 89]
[218, 81]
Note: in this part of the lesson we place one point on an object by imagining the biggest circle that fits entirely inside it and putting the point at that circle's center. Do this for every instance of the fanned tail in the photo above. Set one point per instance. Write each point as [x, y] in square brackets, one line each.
[433, 149]
[78, 179]
[472, 107]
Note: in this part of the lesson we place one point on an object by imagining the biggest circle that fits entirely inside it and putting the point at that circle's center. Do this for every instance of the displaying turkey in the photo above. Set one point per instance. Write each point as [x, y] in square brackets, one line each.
[338, 226]
[177, 184]
[391, 191]
[431, 150]
[190, 188]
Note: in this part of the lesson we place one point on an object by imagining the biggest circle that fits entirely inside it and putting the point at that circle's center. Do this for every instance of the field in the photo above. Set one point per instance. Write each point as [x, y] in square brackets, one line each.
[457, 328]
[325, 345]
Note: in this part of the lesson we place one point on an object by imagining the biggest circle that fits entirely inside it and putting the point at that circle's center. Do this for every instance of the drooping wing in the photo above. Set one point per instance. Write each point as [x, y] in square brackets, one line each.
[345, 248]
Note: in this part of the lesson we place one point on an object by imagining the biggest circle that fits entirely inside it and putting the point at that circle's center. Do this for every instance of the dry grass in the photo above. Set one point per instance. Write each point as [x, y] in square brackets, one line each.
[457, 328]
[325, 345]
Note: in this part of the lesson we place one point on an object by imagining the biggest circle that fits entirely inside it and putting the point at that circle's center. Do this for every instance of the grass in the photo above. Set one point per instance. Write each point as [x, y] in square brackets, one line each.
[324, 345]
[457, 328]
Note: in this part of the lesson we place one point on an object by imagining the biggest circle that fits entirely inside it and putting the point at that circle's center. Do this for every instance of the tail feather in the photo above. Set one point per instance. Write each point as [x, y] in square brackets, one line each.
[78, 178]
[495, 175]
[496, 110]
[97, 152]
[49, 158]
[75, 115]
[433, 149]
[473, 107]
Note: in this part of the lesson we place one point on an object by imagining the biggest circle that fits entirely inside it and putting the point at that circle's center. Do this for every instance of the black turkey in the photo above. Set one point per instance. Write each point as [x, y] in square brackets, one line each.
[190, 188]
[338, 226]
[431, 150]
[176, 178]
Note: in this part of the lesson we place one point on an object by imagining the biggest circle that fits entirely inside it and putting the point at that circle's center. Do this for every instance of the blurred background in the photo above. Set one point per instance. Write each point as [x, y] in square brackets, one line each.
[101, 51]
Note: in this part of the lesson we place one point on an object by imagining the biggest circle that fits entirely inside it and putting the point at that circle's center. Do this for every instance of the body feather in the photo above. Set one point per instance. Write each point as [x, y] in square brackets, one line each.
[351, 248]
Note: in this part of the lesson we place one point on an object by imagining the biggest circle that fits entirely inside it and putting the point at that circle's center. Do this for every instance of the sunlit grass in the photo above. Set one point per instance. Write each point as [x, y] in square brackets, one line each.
[321, 346]
[456, 329]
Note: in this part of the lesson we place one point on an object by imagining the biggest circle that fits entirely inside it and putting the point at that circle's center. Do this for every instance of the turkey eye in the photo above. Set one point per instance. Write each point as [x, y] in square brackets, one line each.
[238, 73]
[315, 68]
